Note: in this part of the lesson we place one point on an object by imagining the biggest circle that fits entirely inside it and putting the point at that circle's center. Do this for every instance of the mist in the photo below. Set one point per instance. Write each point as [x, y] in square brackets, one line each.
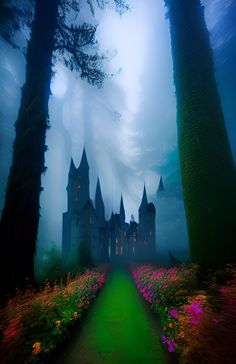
[128, 127]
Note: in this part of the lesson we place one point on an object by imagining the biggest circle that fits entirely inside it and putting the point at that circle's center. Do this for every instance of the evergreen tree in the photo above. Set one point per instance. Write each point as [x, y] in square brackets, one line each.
[207, 167]
[20, 216]
[13, 18]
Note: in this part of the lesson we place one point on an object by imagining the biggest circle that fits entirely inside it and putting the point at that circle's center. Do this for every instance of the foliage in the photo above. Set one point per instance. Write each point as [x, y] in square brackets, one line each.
[121, 6]
[14, 18]
[34, 323]
[207, 166]
[76, 46]
[49, 265]
[52, 30]
[199, 325]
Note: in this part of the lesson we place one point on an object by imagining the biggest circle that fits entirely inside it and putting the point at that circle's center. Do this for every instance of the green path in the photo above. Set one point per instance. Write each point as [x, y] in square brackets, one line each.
[118, 329]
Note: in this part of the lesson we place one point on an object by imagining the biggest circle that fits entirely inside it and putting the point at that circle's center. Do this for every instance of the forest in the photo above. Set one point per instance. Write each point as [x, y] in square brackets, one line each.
[118, 181]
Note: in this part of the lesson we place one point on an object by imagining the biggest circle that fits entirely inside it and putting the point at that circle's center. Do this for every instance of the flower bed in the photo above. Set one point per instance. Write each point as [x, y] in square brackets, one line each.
[34, 323]
[199, 325]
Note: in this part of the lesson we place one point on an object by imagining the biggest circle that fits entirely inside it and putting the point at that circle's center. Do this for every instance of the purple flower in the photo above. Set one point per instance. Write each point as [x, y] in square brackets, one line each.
[171, 348]
[173, 313]
[164, 339]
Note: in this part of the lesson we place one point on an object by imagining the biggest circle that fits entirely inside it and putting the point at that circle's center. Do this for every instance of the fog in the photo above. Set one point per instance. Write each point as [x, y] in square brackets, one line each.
[128, 126]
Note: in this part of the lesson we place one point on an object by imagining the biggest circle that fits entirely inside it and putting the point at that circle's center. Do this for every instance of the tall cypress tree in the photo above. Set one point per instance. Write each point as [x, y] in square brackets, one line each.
[20, 216]
[207, 166]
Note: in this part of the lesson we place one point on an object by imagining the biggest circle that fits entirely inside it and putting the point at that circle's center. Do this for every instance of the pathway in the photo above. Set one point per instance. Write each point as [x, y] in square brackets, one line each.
[118, 328]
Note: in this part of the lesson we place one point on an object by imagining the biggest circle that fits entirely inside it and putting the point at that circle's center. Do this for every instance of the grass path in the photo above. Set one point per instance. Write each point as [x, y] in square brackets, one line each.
[118, 329]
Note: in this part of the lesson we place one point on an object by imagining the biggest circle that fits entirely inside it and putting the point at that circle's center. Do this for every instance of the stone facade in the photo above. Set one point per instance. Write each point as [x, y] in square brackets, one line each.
[109, 240]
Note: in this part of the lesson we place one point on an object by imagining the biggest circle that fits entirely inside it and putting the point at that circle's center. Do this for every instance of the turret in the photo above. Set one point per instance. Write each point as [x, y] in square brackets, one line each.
[161, 186]
[144, 202]
[78, 184]
[99, 204]
[83, 167]
[122, 211]
[72, 167]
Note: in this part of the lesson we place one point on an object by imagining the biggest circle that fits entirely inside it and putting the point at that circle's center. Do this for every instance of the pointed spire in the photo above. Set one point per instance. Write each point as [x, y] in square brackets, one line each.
[84, 161]
[72, 167]
[112, 219]
[161, 186]
[98, 189]
[122, 210]
[99, 204]
[144, 202]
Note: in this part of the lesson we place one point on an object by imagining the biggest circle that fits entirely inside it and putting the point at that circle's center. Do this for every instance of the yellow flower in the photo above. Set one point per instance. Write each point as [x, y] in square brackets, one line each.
[36, 348]
[58, 323]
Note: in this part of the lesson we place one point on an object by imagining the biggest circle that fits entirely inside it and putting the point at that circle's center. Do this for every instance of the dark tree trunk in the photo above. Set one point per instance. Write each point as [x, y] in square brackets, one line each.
[20, 215]
[207, 167]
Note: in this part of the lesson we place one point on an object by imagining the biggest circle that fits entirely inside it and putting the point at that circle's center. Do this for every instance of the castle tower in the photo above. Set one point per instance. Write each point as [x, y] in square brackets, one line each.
[78, 184]
[146, 248]
[122, 211]
[103, 237]
[112, 236]
[160, 186]
[77, 197]
[123, 231]
[99, 204]
[144, 202]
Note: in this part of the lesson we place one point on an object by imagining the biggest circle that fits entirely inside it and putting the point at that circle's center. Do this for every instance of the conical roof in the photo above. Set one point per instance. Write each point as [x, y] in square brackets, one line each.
[84, 161]
[122, 209]
[144, 202]
[112, 220]
[72, 167]
[161, 186]
[99, 204]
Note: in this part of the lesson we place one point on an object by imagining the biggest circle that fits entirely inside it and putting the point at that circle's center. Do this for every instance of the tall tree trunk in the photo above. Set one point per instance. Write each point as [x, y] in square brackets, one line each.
[207, 167]
[20, 215]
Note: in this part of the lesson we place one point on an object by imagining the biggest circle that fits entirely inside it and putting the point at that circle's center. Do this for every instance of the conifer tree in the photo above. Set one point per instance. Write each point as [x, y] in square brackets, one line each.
[51, 34]
[207, 166]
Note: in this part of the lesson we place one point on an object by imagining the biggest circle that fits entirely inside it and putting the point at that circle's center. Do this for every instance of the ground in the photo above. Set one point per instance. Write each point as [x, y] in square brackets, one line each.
[119, 329]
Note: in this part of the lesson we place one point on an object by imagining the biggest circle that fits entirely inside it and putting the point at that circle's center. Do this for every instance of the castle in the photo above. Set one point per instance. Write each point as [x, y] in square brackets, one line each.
[109, 240]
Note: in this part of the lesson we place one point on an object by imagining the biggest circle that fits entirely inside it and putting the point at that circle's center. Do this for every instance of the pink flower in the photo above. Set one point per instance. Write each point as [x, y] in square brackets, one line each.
[222, 289]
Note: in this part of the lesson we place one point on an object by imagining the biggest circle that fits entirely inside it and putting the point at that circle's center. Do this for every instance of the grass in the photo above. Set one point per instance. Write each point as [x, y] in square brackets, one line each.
[118, 329]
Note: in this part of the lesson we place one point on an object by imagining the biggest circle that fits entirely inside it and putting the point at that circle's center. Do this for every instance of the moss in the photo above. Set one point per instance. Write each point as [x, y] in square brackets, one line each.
[207, 167]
